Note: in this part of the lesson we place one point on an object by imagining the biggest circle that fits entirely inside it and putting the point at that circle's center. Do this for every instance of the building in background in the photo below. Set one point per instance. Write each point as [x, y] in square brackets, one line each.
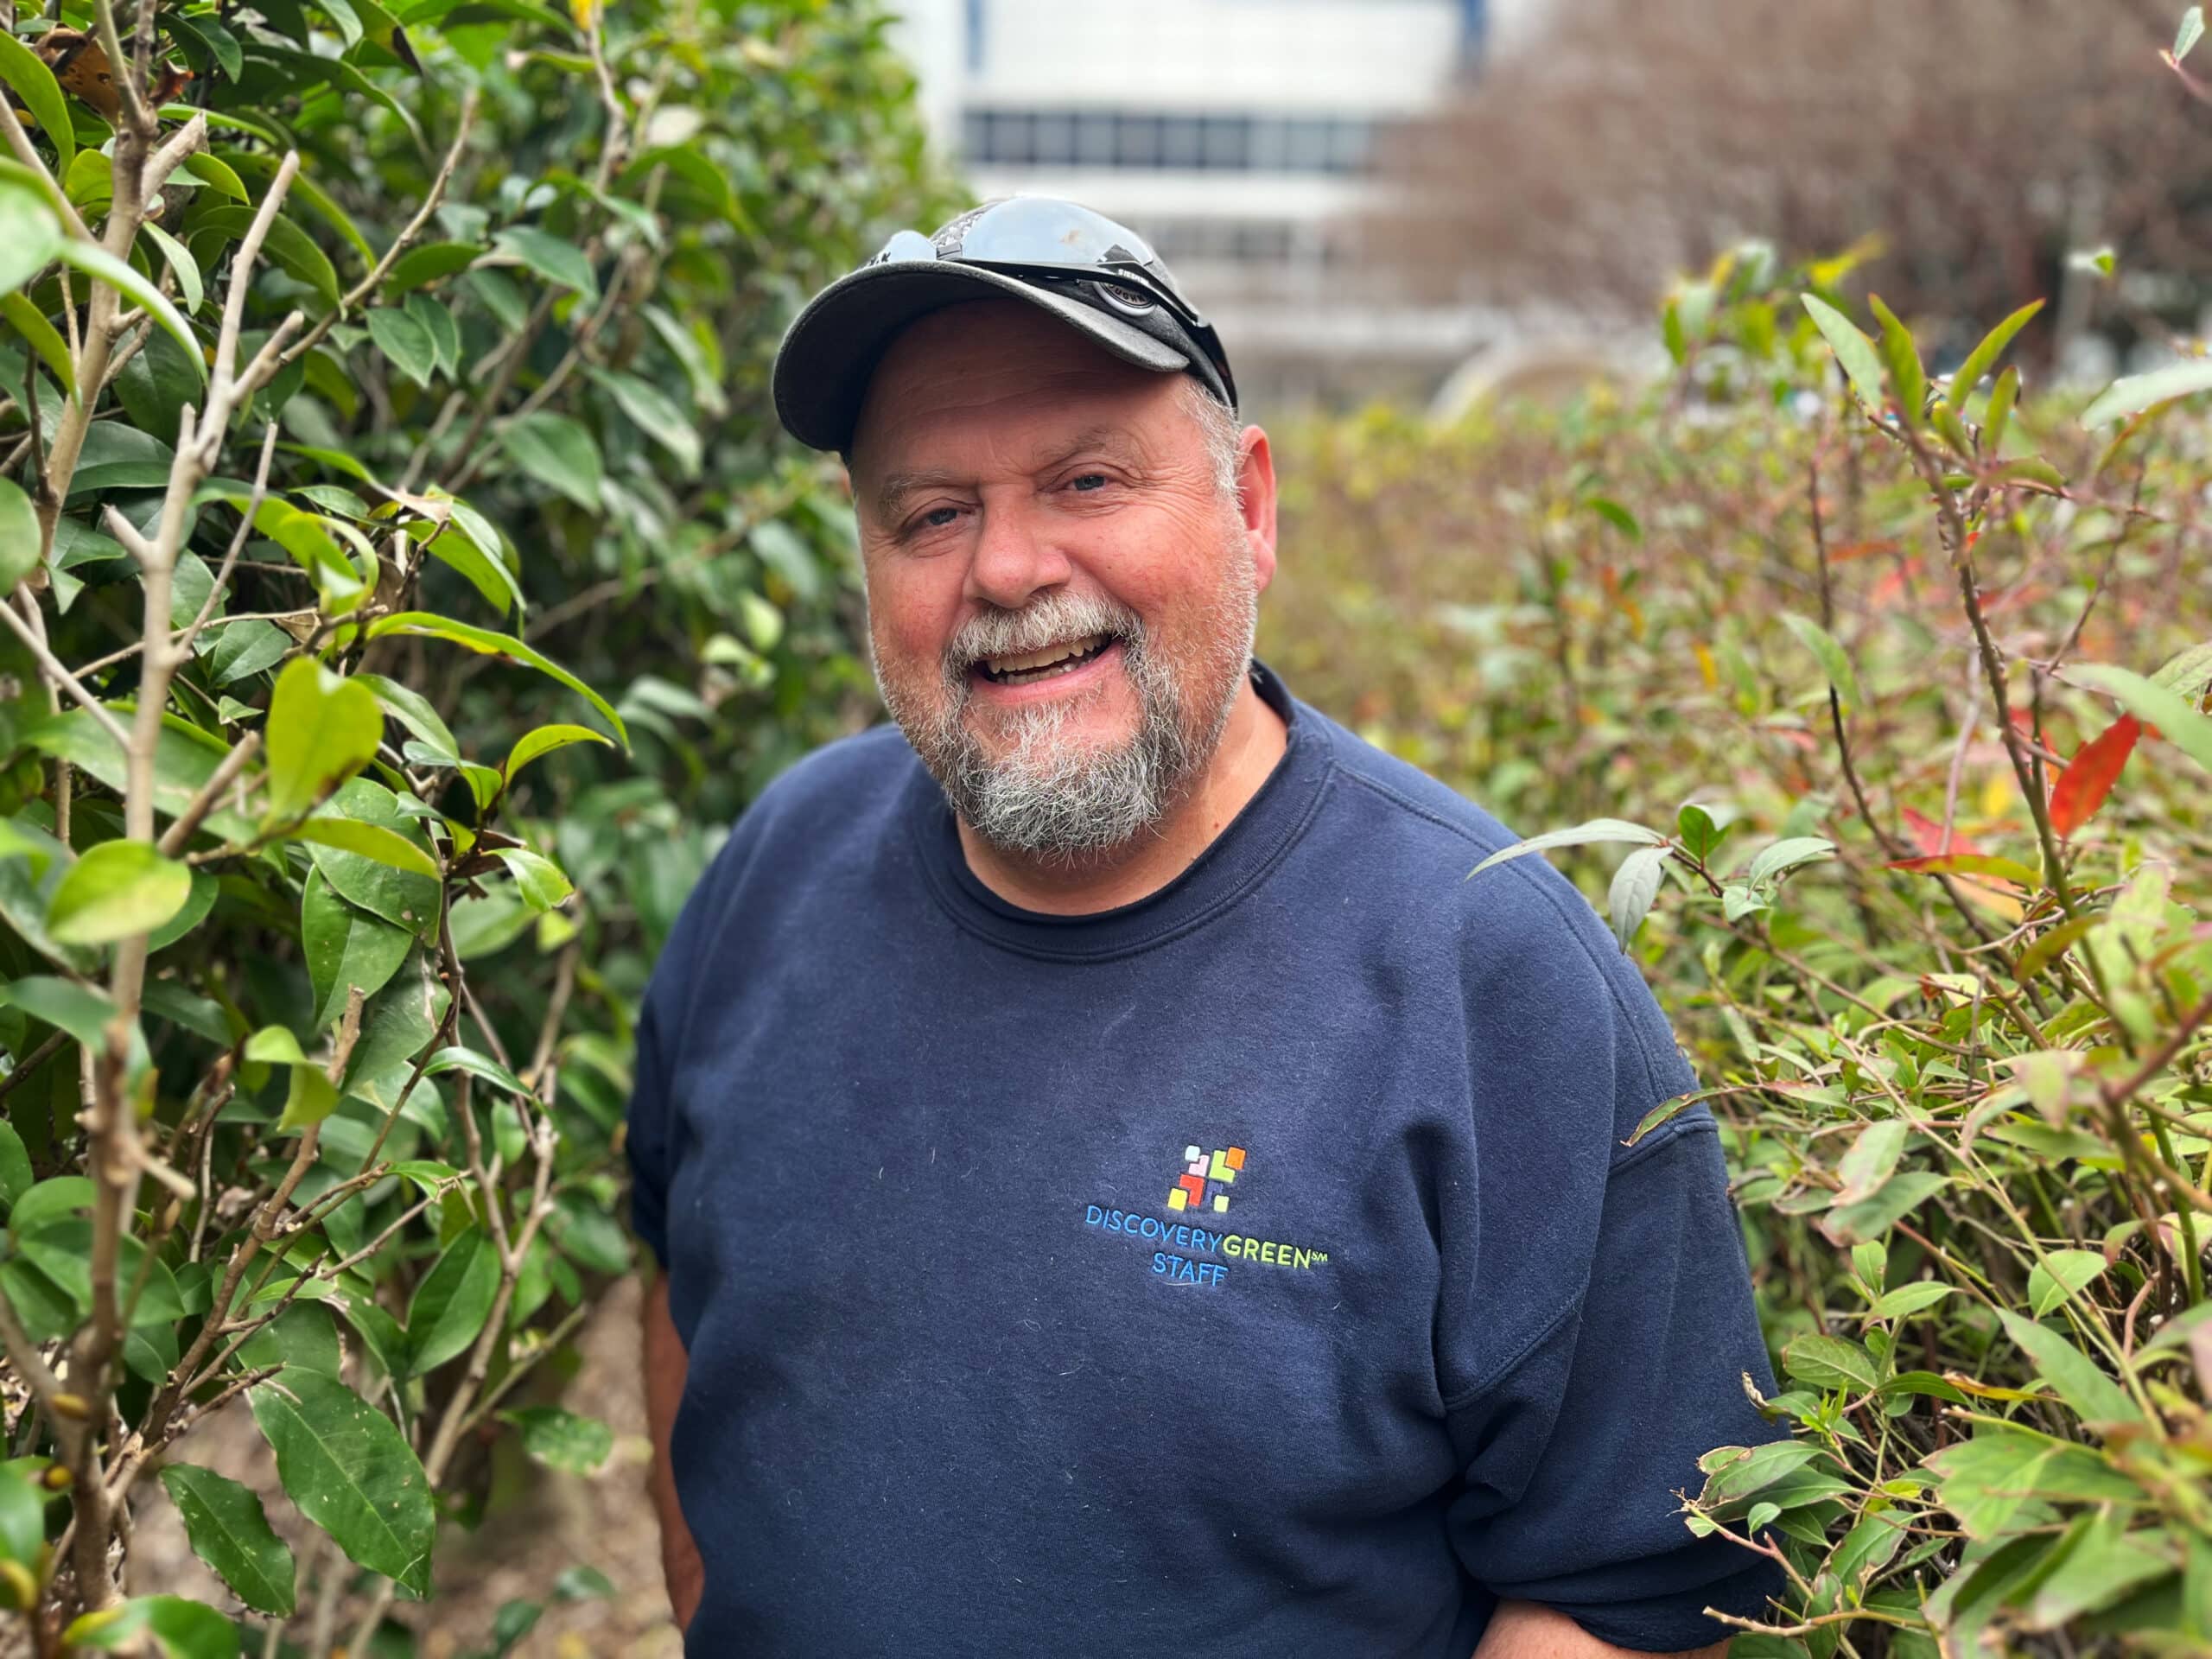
[1237, 136]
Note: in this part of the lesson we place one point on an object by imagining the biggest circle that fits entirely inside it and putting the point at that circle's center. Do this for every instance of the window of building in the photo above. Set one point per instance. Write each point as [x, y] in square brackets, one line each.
[1147, 139]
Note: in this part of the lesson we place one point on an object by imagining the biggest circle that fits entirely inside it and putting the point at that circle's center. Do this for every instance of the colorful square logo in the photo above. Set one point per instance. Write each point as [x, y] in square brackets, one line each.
[1205, 1178]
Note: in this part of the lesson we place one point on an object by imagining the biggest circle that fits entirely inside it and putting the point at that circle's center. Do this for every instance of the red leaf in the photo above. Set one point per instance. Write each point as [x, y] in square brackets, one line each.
[2088, 777]
[1928, 835]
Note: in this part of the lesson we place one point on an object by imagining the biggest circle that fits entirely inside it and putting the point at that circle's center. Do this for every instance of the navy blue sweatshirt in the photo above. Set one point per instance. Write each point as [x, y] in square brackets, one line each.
[1257, 1269]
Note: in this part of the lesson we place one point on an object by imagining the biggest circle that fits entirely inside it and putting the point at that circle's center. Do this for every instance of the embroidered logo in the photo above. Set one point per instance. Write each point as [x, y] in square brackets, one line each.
[1189, 1254]
[1200, 1185]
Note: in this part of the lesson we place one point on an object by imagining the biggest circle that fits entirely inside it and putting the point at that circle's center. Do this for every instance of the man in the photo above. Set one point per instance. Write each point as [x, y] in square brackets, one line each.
[1120, 1188]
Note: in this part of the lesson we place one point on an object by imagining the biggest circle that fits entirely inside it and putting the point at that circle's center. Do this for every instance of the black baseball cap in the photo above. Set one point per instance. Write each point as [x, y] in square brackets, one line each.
[1093, 274]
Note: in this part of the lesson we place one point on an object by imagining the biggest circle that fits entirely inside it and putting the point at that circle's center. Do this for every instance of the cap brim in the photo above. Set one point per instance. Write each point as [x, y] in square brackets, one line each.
[831, 348]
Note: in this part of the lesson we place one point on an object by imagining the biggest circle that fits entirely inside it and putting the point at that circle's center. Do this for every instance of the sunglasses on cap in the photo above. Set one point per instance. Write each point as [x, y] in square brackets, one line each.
[1077, 251]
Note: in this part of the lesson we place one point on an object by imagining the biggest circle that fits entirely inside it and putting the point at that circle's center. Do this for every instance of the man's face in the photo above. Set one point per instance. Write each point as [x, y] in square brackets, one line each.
[1061, 595]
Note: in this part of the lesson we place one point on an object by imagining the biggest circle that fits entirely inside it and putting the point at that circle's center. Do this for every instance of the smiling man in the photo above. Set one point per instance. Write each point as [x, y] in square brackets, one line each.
[1118, 1187]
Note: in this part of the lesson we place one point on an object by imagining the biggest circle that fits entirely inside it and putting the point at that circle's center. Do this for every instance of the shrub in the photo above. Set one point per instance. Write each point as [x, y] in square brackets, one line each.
[1889, 690]
[380, 388]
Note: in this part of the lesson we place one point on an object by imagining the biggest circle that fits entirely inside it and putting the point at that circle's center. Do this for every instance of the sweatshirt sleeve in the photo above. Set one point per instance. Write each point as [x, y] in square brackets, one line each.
[1574, 1457]
[653, 1120]
[1600, 1322]
[646, 1135]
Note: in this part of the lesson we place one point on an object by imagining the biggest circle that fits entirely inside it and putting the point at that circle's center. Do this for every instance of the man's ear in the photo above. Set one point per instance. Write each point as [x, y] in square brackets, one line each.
[1256, 500]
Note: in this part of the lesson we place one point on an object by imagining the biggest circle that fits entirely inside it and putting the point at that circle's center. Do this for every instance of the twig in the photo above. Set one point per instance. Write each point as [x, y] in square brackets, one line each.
[400, 243]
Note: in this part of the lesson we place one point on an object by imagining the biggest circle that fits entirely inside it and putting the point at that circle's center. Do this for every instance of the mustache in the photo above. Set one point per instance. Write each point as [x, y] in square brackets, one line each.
[1047, 621]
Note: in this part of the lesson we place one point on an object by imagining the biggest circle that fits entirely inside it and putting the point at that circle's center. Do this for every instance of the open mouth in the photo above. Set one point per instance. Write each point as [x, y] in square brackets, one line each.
[1027, 668]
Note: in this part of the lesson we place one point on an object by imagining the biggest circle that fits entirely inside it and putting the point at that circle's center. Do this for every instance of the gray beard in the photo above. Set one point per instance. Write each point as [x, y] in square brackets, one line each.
[1058, 802]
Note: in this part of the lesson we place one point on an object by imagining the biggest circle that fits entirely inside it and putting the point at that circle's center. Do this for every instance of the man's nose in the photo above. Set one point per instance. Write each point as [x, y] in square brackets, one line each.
[1015, 557]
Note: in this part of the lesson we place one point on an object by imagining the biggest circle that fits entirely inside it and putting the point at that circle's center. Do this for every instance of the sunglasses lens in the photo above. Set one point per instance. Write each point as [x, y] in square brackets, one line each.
[1032, 231]
[906, 246]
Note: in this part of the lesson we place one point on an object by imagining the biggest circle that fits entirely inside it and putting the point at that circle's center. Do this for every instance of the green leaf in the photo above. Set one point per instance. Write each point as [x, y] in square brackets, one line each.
[185, 757]
[78, 1010]
[457, 1058]
[559, 262]
[347, 1467]
[411, 709]
[346, 946]
[2136, 392]
[2059, 1275]
[180, 260]
[2002, 396]
[29, 233]
[217, 174]
[540, 880]
[302, 1335]
[1871, 1161]
[1908, 1300]
[1853, 349]
[15, 1178]
[2157, 705]
[458, 545]
[1922, 1383]
[562, 1439]
[276, 1046]
[45, 338]
[21, 69]
[438, 323]
[1834, 662]
[403, 897]
[370, 841]
[322, 730]
[230, 1532]
[2190, 32]
[2097, 1564]
[698, 356]
[177, 1629]
[557, 452]
[2005, 869]
[311, 1098]
[1616, 515]
[62, 1251]
[1897, 1197]
[22, 1519]
[19, 537]
[428, 264]
[59, 1198]
[208, 32]
[1597, 829]
[2078, 1379]
[499, 644]
[405, 341]
[1788, 854]
[1735, 1472]
[115, 890]
[96, 261]
[1635, 884]
[1984, 357]
[1830, 1362]
[657, 416]
[545, 740]
[1908, 377]
[292, 249]
[453, 1301]
[1867, 1548]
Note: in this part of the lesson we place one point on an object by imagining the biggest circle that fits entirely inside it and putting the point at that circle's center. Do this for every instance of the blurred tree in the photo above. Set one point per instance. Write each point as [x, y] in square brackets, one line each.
[1986, 141]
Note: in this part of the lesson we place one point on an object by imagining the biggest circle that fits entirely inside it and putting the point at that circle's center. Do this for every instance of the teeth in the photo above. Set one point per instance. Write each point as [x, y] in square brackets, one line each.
[1044, 658]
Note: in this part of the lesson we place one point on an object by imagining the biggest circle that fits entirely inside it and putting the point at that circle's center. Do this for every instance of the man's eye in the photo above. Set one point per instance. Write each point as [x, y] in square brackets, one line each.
[1088, 483]
[938, 518]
